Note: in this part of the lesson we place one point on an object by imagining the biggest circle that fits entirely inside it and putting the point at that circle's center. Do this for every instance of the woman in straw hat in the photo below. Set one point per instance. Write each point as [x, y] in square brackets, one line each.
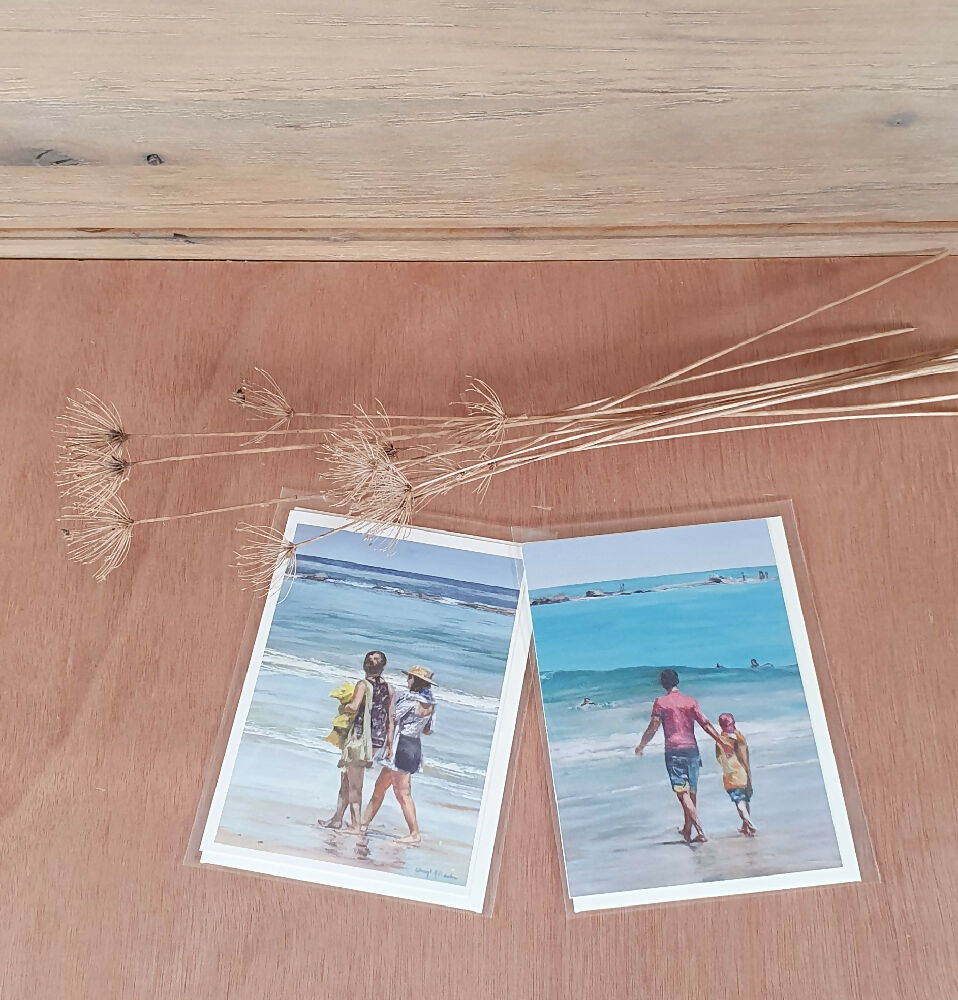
[414, 711]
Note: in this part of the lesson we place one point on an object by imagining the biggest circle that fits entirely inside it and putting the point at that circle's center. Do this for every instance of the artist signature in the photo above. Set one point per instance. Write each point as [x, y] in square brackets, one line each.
[435, 874]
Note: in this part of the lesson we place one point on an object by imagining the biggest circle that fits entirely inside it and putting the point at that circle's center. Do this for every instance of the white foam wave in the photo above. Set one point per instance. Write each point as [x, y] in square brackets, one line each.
[296, 738]
[455, 770]
[622, 745]
[279, 662]
[613, 745]
[784, 763]
[314, 742]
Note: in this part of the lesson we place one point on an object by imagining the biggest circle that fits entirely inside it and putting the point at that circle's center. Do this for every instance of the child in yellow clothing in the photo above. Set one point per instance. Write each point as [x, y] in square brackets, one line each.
[732, 755]
[344, 718]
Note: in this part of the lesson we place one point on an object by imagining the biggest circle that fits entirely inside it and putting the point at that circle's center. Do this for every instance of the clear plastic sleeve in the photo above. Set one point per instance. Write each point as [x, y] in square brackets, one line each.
[615, 604]
[275, 721]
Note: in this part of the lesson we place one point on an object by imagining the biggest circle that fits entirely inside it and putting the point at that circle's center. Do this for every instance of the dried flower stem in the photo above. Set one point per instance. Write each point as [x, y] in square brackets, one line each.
[936, 256]
[929, 363]
[580, 416]
[787, 423]
[853, 407]
[640, 437]
[817, 349]
[910, 366]
[102, 534]
[92, 479]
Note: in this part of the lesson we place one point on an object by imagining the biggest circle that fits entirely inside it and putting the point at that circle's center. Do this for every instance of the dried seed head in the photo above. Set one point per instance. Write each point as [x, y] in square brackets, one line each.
[361, 457]
[87, 479]
[99, 536]
[490, 419]
[370, 481]
[264, 400]
[89, 426]
[386, 511]
[259, 558]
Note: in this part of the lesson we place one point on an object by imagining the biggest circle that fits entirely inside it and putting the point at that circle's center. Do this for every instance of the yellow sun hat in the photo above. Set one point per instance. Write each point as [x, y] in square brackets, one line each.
[421, 672]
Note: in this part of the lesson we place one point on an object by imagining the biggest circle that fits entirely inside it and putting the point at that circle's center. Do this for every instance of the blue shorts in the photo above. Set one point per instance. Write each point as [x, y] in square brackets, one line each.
[683, 767]
[738, 794]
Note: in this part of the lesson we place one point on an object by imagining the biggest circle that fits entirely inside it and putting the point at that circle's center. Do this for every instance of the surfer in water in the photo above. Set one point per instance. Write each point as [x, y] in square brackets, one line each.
[586, 702]
[677, 714]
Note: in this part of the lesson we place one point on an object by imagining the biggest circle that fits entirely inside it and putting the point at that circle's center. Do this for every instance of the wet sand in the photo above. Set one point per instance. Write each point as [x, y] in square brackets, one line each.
[278, 795]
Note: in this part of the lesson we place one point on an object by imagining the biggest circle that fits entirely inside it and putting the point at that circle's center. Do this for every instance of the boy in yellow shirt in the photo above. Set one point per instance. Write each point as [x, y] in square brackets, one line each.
[732, 755]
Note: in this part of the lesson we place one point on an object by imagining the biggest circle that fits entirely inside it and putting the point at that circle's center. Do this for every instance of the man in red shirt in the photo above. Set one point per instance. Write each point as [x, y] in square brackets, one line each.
[677, 713]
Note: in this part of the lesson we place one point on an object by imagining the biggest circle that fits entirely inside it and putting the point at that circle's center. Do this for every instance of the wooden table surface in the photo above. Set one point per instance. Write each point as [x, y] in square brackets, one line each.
[112, 693]
[463, 129]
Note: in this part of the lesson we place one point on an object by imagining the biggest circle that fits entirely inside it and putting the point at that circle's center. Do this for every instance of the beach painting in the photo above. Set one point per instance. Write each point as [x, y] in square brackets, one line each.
[687, 738]
[372, 737]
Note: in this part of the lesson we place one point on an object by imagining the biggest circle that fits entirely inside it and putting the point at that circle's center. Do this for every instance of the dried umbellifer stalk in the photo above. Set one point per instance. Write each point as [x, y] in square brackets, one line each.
[100, 535]
[382, 470]
[89, 426]
[264, 553]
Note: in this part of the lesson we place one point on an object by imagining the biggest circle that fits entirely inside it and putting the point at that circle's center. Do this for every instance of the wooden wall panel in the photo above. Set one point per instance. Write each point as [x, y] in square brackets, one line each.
[434, 128]
[112, 694]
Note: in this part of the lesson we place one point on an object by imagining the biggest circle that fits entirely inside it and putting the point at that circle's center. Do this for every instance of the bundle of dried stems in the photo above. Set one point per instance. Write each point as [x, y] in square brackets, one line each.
[379, 471]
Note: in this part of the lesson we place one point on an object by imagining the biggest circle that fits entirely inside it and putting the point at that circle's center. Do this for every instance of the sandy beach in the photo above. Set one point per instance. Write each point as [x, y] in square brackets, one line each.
[279, 793]
[637, 844]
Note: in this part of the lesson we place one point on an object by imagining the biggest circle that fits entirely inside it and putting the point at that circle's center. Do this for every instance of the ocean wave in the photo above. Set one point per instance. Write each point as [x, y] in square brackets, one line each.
[759, 766]
[384, 588]
[597, 677]
[456, 772]
[278, 662]
[622, 745]
[455, 769]
[709, 775]
[591, 749]
[299, 739]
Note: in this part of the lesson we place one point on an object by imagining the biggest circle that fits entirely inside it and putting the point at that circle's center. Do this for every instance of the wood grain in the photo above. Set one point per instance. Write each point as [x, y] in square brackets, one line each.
[112, 694]
[448, 129]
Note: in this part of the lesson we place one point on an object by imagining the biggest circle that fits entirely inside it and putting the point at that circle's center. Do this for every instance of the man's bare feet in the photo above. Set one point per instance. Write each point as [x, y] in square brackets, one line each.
[412, 839]
[332, 823]
[699, 838]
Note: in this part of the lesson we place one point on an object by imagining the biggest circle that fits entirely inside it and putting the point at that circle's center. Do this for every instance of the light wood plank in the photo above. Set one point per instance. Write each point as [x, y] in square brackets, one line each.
[516, 244]
[439, 115]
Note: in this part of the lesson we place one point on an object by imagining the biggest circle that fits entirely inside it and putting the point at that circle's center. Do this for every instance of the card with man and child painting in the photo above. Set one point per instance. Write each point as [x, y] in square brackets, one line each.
[686, 731]
[372, 738]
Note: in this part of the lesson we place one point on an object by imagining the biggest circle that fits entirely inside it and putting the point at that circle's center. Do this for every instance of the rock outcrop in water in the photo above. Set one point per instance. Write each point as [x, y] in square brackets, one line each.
[713, 579]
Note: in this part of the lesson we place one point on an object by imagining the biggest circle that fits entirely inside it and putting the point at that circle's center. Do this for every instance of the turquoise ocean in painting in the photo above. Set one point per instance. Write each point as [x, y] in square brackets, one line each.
[618, 815]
